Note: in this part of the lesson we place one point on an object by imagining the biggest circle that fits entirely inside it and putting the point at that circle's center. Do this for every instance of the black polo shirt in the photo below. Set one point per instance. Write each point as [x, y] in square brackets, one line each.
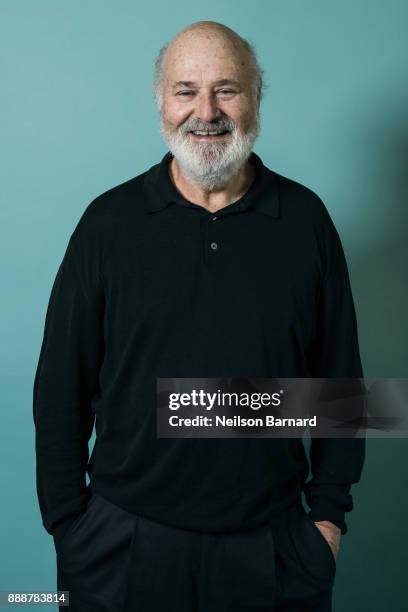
[152, 285]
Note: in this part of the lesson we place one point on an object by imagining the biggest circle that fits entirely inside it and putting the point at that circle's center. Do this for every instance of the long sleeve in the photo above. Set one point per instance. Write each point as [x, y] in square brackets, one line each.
[65, 381]
[336, 463]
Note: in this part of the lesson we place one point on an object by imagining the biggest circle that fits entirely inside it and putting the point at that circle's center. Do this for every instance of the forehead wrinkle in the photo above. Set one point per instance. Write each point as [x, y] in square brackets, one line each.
[215, 83]
[186, 68]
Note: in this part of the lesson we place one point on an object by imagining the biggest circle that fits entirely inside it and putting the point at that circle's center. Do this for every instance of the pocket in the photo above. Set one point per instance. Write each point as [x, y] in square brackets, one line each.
[94, 556]
[321, 537]
[63, 530]
[312, 549]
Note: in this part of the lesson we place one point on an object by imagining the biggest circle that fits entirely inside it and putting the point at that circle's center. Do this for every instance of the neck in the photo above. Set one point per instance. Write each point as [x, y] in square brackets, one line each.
[216, 199]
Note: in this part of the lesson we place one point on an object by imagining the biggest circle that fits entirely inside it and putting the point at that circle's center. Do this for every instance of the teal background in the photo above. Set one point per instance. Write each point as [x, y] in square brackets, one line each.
[78, 117]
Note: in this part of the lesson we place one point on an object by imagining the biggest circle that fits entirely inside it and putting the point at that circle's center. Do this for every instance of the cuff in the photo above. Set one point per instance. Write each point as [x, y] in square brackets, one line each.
[53, 517]
[325, 510]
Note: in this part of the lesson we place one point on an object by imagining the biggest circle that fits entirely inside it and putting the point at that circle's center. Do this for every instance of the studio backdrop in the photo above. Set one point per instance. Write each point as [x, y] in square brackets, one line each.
[78, 116]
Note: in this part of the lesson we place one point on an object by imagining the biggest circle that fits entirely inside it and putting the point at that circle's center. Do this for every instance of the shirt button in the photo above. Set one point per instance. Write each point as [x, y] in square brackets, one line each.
[214, 245]
[214, 218]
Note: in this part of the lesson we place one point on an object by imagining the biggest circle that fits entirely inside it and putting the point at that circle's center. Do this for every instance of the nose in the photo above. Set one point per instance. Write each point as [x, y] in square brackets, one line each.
[207, 109]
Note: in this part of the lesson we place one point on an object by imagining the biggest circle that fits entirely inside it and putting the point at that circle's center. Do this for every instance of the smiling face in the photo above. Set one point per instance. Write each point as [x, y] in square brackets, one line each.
[210, 105]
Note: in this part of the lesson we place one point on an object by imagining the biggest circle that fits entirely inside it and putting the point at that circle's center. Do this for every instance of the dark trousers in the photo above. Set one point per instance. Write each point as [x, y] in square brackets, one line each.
[113, 561]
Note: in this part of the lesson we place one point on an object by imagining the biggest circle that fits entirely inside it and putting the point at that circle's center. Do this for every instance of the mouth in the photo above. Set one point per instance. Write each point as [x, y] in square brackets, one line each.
[209, 135]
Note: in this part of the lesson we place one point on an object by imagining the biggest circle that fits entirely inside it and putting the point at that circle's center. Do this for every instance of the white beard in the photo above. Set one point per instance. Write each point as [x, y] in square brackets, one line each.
[211, 164]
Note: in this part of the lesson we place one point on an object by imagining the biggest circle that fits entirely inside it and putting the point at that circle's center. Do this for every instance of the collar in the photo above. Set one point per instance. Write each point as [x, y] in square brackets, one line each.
[262, 196]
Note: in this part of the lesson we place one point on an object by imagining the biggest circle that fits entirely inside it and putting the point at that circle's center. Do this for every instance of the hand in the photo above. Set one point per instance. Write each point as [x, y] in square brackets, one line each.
[331, 533]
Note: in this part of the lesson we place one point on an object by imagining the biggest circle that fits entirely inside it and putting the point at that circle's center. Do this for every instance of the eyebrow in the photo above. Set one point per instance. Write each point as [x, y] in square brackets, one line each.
[216, 83]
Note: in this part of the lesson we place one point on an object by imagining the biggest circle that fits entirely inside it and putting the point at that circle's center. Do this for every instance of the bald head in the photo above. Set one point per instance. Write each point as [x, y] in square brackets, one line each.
[210, 41]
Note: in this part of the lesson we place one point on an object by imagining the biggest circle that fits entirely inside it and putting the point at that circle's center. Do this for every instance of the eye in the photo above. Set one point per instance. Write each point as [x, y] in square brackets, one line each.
[184, 93]
[226, 91]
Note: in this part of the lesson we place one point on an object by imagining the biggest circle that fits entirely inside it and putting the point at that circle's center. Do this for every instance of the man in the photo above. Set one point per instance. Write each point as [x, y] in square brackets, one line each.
[209, 264]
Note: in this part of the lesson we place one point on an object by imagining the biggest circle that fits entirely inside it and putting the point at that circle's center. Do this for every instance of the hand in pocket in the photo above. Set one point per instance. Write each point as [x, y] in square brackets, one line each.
[331, 534]
[62, 528]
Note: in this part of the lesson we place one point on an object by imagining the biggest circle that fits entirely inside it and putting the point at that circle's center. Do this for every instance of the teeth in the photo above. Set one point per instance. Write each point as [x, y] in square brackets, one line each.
[199, 133]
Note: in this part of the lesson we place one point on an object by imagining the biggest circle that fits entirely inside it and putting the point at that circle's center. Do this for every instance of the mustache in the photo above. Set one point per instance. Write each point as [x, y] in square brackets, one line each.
[197, 124]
